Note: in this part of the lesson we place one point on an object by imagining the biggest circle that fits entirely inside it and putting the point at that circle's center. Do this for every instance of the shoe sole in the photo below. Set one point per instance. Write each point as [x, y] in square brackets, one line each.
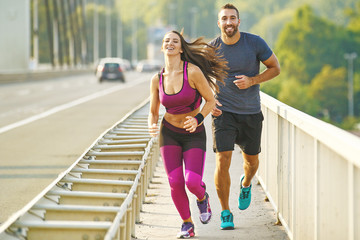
[228, 228]
[204, 222]
[185, 237]
[243, 208]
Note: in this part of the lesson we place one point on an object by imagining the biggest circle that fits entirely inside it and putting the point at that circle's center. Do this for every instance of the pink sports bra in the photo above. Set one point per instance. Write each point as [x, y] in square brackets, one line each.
[186, 100]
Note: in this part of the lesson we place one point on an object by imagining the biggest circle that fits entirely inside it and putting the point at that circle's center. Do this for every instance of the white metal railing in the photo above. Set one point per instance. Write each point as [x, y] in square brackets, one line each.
[310, 172]
[100, 195]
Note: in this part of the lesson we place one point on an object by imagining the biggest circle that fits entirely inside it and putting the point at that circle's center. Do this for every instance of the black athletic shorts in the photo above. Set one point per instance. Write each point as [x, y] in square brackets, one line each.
[242, 129]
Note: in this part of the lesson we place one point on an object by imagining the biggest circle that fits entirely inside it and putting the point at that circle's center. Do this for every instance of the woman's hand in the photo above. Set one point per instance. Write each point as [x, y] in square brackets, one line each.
[190, 124]
[153, 130]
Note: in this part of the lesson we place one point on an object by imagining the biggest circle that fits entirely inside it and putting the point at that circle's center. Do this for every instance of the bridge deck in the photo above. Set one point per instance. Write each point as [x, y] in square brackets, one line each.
[160, 220]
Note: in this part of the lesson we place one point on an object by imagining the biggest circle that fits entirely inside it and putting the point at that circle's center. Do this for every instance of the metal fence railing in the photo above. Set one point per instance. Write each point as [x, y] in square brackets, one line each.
[100, 195]
[310, 171]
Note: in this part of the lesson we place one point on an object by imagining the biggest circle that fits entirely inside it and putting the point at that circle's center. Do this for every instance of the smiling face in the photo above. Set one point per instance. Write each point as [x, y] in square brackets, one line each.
[228, 22]
[171, 44]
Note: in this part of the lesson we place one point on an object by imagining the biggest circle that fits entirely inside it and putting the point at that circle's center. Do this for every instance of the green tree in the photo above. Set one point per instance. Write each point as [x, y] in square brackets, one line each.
[309, 42]
[273, 87]
[295, 94]
[271, 25]
[354, 17]
[357, 93]
[186, 14]
[329, 88]
[44, 55]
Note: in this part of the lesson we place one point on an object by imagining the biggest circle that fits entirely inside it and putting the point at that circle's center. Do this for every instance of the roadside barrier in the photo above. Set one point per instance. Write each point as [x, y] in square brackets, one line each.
[100, 195]
[310, 172]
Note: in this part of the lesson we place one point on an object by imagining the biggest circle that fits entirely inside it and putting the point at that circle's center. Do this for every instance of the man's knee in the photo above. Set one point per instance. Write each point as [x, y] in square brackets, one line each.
[223, 160]
[251, 159]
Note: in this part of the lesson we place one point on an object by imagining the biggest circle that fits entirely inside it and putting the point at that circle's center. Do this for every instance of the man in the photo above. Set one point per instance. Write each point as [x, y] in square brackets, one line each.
[238, 117]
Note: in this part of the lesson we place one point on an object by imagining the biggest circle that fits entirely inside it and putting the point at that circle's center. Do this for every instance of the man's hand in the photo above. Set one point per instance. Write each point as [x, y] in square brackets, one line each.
[216, 112]
[243, 82]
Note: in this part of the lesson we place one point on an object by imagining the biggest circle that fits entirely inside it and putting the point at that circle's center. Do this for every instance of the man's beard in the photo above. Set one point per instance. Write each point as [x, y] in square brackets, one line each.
[236, 27]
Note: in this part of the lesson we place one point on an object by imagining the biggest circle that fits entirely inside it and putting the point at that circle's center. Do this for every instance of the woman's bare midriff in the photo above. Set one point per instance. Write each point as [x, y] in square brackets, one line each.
[177, 120]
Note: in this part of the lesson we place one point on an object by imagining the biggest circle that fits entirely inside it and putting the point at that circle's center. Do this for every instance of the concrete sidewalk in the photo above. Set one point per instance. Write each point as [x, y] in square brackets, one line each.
[159, 218]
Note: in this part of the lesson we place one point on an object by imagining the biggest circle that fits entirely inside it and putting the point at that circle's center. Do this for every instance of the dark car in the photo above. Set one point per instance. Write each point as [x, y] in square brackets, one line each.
[110, 69]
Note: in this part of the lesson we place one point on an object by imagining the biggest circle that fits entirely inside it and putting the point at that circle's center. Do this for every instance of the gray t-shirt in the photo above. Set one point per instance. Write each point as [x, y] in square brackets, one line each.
[243, 59]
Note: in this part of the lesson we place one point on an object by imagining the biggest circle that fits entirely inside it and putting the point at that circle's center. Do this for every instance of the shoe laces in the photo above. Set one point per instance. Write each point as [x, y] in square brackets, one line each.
[186, 226]
[245, 193]
[226, 218]
[203, 205]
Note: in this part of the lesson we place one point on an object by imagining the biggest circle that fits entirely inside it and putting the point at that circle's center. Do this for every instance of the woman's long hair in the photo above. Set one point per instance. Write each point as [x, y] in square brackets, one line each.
[204, 56]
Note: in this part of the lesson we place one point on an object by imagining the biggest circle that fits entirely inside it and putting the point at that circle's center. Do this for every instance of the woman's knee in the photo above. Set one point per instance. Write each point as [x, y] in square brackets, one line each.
[193, 182]
[176, 183]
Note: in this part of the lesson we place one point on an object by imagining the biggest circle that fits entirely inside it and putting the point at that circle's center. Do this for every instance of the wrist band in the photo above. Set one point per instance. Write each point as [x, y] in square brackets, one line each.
[199, 118]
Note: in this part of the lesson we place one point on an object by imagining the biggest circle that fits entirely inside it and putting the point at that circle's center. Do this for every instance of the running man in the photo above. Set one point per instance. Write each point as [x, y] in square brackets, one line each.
[237, 119]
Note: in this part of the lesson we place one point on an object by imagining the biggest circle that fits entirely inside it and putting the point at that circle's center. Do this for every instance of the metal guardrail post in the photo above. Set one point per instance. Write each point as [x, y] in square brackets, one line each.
[133, 216]
[128, 222]
[123, 227]
[138, 201]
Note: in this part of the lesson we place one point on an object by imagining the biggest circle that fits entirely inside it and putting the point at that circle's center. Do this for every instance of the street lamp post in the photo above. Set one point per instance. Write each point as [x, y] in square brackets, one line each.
[108, 28]
[35, 35]
[216, 28]
[134, 46]
[193, 11]
[350, 58]
[96, 32]
[119, 35]
[172, 17]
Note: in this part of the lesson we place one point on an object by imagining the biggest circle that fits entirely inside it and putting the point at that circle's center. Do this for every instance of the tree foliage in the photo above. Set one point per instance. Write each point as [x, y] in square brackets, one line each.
[309, 42]
[354, 17]
[270, 26]
[329, 88]
[311, 52]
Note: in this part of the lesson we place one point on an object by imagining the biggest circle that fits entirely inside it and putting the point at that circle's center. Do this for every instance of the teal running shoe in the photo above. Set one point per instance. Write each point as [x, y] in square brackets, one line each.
[245, 195]
[227, 220]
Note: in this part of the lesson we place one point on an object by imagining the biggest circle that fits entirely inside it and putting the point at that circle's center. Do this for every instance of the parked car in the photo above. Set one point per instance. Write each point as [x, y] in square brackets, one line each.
[148, 66]
[125, 64]
[110, 69]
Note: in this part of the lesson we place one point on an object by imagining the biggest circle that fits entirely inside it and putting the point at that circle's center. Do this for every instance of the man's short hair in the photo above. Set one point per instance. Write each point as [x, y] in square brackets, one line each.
[231, 6]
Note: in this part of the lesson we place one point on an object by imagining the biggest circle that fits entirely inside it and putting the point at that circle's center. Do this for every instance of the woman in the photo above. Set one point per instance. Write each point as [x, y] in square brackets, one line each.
[190, 69]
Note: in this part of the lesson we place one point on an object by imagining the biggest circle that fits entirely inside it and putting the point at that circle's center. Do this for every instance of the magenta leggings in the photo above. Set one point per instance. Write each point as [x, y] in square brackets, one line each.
[177, 147]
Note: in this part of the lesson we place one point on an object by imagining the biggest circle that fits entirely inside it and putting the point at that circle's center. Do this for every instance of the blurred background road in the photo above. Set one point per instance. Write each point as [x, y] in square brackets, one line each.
[76, 109]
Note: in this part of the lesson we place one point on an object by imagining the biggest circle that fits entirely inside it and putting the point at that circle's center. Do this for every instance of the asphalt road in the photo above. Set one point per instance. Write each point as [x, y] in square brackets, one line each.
[46, 125]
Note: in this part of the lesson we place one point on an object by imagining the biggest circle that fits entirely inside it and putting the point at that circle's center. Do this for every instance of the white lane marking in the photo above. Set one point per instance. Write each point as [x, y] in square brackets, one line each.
[48, 88]
[23, 92]
[69, 105]
[65, 85]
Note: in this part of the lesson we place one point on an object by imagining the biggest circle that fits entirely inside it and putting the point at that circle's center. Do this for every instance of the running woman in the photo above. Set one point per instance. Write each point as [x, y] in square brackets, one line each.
[188, 77]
